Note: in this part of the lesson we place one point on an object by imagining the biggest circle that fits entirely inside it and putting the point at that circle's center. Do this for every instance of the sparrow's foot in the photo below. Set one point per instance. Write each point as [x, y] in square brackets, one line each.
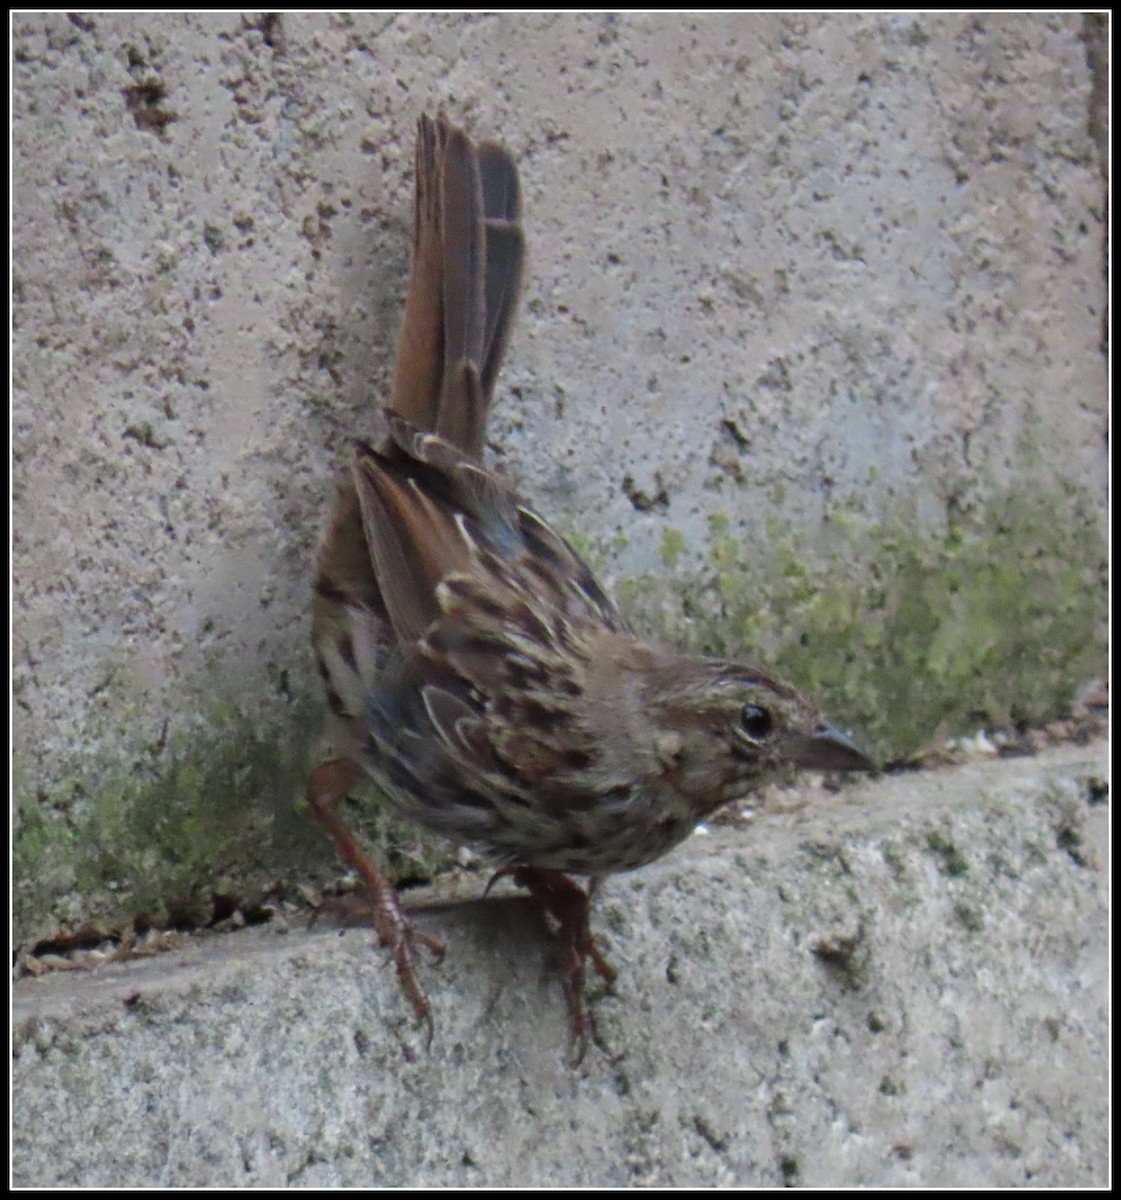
[567, 904]
[328, 786]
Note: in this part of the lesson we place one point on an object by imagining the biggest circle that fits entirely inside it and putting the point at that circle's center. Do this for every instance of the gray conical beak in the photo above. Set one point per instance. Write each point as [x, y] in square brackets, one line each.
[828, 749]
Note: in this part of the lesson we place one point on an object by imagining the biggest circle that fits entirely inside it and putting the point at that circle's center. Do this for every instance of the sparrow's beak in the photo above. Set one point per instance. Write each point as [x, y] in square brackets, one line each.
[828, 749]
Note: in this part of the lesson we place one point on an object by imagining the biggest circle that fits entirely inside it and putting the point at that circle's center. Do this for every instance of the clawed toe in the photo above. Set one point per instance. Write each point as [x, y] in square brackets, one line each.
[327, 788]
[567, 905]
[404, 952]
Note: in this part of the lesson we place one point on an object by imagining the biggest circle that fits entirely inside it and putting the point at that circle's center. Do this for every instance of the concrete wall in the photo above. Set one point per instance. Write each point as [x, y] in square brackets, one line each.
[810, 362]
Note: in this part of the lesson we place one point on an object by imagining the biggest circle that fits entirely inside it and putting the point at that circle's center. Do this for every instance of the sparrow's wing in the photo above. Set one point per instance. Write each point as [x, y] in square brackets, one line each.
[432, 516]
[497, 621]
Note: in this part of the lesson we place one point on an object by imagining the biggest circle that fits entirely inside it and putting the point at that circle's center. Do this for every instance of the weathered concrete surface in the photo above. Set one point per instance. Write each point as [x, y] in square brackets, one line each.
[904, 984]
[811, 335]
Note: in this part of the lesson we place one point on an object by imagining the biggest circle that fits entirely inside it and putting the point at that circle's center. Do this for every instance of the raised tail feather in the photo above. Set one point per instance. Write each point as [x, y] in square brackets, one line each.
[468, 254]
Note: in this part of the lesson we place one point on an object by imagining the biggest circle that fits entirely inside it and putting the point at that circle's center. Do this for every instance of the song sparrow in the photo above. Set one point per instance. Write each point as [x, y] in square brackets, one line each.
[473, 665]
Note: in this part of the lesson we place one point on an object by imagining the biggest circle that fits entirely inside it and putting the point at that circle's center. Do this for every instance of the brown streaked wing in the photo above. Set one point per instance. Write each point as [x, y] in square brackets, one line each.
[413, 538]
[547, 548]
[345, 573]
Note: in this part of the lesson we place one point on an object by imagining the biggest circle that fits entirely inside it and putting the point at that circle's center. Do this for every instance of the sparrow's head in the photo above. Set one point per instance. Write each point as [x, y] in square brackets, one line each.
[722, 728]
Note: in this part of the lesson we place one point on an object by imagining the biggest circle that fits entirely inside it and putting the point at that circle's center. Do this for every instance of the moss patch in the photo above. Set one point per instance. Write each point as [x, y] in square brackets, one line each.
[674, 546]
[901, 635]
[150, 830]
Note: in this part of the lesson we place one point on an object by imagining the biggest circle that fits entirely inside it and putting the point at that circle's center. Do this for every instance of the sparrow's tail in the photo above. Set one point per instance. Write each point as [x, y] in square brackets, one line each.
[468, 253]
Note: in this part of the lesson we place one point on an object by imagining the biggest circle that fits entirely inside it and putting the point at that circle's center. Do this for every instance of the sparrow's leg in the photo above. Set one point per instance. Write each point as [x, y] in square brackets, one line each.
[568, 905]
[328, 786]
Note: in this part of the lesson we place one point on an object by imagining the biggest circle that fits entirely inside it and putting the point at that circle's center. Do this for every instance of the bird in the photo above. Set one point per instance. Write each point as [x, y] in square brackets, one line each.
[473, 666]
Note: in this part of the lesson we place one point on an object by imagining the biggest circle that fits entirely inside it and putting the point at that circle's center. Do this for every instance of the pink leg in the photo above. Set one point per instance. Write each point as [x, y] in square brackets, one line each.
[328, 786]
[567, 903]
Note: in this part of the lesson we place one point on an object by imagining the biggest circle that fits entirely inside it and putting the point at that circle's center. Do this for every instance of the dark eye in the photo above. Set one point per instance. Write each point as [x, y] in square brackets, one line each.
[756, 722]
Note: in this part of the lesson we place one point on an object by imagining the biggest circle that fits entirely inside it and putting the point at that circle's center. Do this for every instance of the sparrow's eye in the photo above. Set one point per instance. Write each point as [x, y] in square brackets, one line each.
[756, 722]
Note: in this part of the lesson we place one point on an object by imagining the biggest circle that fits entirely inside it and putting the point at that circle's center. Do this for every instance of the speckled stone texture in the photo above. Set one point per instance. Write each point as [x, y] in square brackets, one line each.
[903, 985]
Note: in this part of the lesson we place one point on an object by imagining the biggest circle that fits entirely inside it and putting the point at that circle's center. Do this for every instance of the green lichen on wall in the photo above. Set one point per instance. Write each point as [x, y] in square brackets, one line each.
[674, 546]
[903, 635]
[144, 831]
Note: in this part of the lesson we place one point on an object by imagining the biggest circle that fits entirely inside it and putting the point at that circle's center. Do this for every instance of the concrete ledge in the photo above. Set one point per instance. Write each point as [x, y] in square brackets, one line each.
[904, 984]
